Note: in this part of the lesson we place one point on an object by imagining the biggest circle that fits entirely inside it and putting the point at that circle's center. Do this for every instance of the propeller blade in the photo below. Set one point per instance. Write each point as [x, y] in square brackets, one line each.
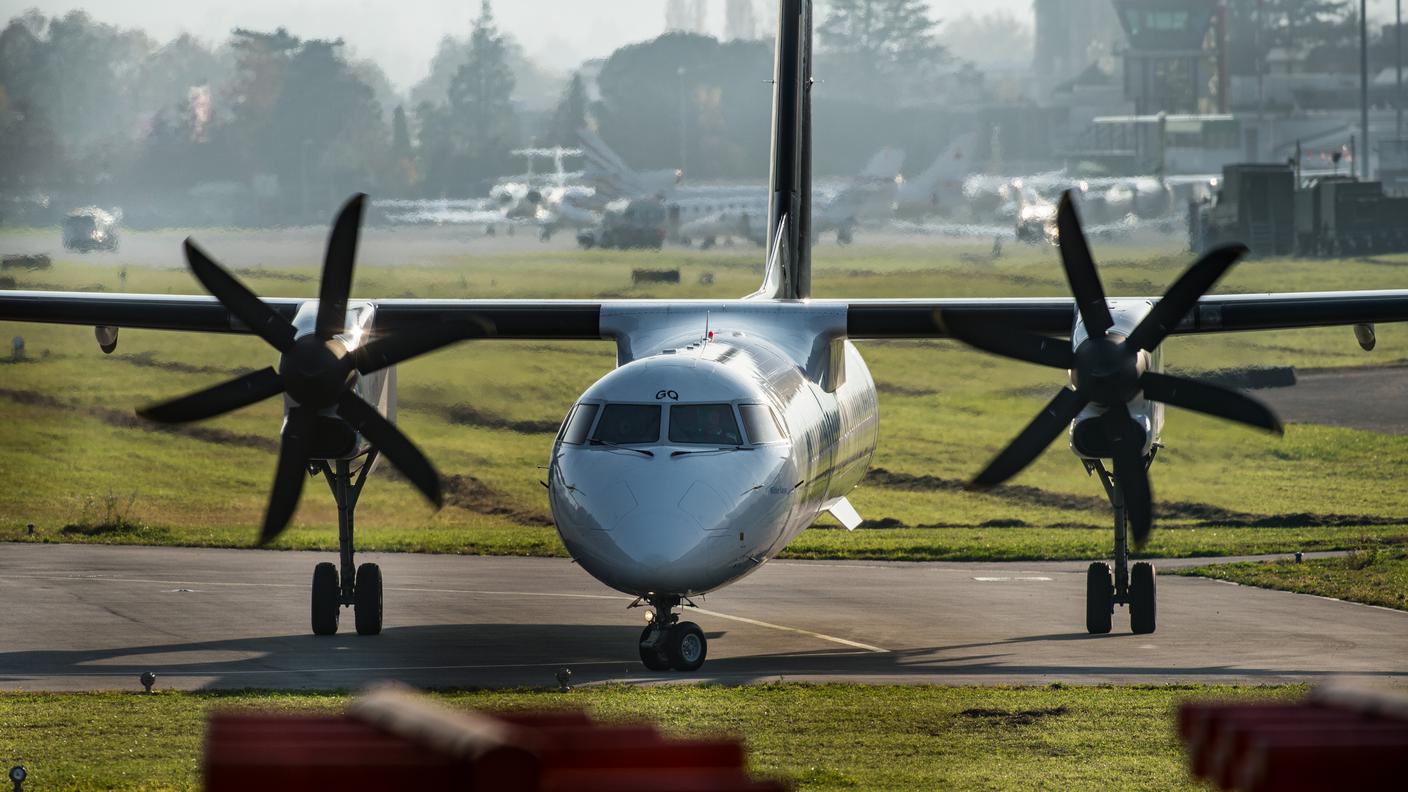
[341, 256]
[1180, 298]
[1027, 446]
[411, 342]
[218, 400]
[1131, 473]
[1080, 270]
[393, 444]
[289, 476]
[262, 320]
[1016, 344]
[1210, 399]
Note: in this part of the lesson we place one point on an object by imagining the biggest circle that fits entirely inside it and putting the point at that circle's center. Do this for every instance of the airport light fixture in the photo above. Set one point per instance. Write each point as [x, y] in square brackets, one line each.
[564, 676]
[17, 777]
[148, 679]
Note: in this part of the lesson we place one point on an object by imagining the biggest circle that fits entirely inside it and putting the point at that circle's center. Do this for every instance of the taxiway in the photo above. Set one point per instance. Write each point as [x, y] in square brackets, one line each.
[82, 617]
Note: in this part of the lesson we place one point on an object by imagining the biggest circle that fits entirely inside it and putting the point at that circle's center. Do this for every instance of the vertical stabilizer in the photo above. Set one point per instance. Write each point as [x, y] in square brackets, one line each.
[790, 185]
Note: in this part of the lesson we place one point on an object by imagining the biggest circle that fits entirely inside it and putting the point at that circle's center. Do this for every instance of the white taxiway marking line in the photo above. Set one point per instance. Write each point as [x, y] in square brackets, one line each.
[1009, 579]
[479, 592]
[831, 638]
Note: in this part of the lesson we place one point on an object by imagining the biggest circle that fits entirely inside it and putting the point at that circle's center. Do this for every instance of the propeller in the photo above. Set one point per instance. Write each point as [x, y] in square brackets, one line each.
[1109, 369]
[317, 372]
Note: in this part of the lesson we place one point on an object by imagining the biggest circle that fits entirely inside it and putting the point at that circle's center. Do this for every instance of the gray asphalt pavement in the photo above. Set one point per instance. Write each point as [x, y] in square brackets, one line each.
[1369, 398]
[87, 617]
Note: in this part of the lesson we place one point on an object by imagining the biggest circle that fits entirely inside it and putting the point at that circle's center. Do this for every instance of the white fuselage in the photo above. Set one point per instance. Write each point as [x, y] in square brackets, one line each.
[684, 511]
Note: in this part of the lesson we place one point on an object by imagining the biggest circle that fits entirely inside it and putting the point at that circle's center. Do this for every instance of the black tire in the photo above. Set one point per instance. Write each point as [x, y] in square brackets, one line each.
[653, 658]
[686, 646]
[1099, 598]
[367, 600]
[1143, 598]
[326, 592]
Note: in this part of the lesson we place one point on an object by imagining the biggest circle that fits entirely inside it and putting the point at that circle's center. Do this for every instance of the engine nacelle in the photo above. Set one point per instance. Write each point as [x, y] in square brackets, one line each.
[1089, 440]
[333, 437]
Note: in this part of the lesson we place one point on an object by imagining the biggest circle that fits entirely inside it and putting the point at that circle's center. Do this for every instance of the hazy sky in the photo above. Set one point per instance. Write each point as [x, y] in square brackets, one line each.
[401, 34]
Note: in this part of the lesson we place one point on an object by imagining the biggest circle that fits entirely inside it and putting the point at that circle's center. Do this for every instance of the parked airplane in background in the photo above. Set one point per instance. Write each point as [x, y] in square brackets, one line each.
[728, 426]
[547, 202]
[741, 213]
[939, 187]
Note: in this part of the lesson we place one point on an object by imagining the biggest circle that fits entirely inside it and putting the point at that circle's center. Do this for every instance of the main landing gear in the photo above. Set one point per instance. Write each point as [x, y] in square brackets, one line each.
[336, 586]
[667, 643]
[1133, 587]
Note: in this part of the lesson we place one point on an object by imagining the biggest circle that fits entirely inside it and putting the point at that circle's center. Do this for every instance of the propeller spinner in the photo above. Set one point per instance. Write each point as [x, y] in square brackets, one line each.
[317, 372]
[1109, 370]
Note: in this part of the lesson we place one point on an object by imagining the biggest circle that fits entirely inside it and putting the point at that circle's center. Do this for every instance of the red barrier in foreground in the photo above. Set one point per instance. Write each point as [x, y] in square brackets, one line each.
[392, 739]
[1339, 737]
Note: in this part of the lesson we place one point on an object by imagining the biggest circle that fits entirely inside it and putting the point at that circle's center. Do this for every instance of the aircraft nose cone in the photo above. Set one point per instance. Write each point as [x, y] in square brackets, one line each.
[657, 537]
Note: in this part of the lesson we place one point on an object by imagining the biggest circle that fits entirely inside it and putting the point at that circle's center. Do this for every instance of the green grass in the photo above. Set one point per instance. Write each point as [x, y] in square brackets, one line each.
[1368, 574]
[485, 413]
[822, 737]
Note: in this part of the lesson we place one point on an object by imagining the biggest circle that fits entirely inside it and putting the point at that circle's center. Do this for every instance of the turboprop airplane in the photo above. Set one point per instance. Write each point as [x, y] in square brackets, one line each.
[728, 426]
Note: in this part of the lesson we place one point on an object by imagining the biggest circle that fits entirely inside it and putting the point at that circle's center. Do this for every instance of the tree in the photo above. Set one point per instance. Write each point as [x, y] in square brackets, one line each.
[1305, 24]
[570, 116]
[481, 101]
[880, 47]
[648, 89]
[995, 38]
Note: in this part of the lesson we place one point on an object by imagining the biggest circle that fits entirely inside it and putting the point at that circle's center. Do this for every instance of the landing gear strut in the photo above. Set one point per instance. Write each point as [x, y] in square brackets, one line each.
[345, 584]
[1133, 587]
[668, 643]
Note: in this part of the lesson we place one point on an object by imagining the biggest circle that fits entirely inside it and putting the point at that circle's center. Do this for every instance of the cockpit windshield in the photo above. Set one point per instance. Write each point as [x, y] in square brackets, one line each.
[712, 424]
[628, 424]
[761, 424]
[579, 423]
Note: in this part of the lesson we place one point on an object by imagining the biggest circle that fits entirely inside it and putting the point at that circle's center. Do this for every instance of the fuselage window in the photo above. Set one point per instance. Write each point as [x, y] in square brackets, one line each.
[760, 423]
[579, 423]
[628, 424]
[713, 424]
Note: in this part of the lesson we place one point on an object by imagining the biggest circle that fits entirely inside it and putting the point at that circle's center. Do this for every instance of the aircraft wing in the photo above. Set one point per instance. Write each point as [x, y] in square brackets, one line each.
[540, 319]
[581, 319]
[1213, 314]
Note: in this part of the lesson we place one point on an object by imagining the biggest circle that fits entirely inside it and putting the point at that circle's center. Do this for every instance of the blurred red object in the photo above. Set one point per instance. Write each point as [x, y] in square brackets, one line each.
[1340, 737]
[391, 738]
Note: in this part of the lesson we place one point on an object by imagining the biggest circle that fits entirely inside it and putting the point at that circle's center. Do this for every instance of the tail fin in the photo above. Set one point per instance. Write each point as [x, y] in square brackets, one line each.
[790, 184]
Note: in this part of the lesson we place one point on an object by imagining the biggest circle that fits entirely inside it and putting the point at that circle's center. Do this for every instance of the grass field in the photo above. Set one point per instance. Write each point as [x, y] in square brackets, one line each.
[820, 737]
[79, 465]
[1370, 575]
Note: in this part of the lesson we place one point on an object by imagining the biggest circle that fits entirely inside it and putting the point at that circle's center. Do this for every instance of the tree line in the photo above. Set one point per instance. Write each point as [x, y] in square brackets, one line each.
[90, 109]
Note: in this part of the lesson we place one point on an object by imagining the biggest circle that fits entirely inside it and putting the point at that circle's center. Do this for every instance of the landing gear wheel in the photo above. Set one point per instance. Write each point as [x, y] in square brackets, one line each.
[367, 600]
[1142, 598]
[1099, 598]
[686, 646]
[652, 657]
[326, 591]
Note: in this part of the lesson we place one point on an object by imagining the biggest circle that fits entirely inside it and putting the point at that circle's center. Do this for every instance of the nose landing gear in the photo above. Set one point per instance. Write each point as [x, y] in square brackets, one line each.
[346, 584]
[1133, 587]
[668, 643]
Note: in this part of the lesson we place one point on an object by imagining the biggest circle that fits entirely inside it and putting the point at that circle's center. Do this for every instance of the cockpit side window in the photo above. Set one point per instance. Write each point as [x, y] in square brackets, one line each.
[628, 424]
[712, 424]
[760, 423]
[574, 432]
